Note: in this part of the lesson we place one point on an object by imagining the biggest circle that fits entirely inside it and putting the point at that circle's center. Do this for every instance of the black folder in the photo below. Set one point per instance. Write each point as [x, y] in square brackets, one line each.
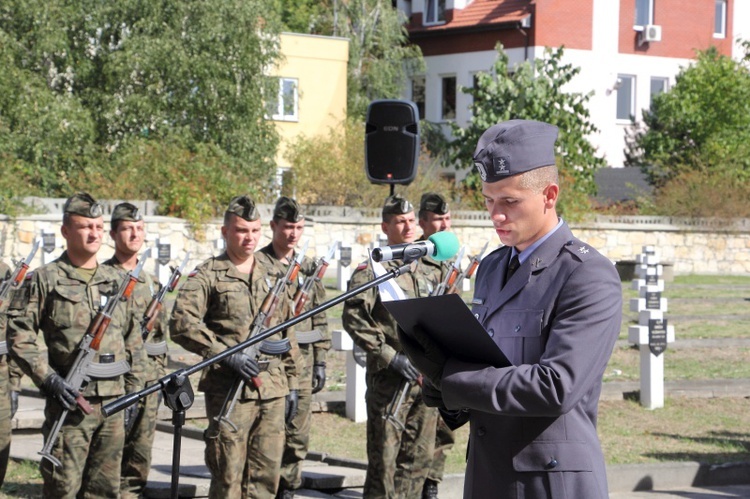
[450, 323]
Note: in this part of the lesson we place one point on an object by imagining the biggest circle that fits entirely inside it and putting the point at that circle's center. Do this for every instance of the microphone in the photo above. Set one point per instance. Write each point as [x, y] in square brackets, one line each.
[440, 246]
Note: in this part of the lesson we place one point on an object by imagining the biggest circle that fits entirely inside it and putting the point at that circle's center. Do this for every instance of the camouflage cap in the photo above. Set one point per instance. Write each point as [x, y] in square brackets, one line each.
[244, 207]
[126, 212]
[84, 205]
[287, 209]
[514, 147]
[433, 202]
[396, 205]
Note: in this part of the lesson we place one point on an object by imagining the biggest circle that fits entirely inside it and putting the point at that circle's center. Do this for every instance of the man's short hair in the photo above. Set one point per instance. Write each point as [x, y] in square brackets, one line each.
[395, 205]
[537, 179]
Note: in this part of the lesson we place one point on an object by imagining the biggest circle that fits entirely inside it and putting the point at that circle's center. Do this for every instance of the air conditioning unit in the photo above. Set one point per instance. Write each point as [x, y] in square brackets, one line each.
[650, 33]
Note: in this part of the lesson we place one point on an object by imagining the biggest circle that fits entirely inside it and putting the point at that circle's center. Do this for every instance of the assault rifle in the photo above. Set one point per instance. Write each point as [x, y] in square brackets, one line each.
[303, 293]
[473, 265]
[157, 302]
[16, 278]
[450, 278]
[83, 369]
[13, 282]
[261, 322]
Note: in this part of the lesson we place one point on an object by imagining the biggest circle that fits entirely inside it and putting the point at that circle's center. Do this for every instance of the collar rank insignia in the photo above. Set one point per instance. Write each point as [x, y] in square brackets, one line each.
[536, 263]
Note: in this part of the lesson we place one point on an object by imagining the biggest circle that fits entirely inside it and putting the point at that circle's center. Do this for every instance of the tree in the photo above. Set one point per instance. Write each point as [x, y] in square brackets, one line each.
[380, 56]
[533, 90]
[701, 124]
[89, 78]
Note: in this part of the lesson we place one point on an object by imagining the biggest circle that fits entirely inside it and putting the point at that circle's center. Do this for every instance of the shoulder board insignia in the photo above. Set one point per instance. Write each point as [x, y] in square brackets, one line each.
[193, 273]
[362, 266]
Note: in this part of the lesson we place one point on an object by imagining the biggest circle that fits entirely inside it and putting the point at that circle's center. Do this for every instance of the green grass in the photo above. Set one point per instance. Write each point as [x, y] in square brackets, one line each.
[22, 480]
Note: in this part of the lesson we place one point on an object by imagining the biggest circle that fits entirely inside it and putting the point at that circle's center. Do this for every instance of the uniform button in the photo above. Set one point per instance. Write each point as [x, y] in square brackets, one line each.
[518, 328]
[481, 431]
[552, 464]
[491, 332]
[476, 316]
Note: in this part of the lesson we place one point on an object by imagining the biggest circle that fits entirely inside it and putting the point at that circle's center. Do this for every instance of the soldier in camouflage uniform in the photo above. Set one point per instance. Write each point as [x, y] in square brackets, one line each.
[60, 300]
[434, 216]
[5, 389]
[214, 311]
[398, 461]
[312, 336]
[127, 230]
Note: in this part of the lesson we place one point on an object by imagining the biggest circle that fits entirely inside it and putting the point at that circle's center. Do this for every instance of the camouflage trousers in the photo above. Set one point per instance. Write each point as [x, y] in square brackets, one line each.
[397, 461]
[5, 419]
[298, 430]
[444, 440]
[245, 463]
[136, 456]
[90, 450]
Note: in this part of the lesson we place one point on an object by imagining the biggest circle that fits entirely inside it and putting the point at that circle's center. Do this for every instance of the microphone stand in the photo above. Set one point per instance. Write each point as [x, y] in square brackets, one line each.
[176, 388]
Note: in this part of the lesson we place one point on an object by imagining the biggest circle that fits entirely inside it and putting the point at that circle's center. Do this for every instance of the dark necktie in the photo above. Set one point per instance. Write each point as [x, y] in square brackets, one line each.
[512, 267]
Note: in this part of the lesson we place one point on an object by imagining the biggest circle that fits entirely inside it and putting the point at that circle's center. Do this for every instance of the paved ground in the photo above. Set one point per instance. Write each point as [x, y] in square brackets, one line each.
[328, 477]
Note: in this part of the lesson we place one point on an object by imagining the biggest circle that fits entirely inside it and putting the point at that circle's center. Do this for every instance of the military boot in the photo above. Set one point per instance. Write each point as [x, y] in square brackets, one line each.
[430, 489]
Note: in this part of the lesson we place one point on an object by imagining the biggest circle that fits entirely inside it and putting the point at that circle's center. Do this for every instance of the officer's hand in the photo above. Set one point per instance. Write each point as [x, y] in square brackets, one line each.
[13, 403]
[425, 354]
[292, 403]
[243, 365]
[431, 396]
[56, 387]
[319, 376]
[401, 365]
[131, 413]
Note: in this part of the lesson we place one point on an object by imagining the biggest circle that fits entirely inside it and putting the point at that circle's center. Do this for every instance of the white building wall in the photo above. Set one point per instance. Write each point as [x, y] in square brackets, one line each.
[740, 26]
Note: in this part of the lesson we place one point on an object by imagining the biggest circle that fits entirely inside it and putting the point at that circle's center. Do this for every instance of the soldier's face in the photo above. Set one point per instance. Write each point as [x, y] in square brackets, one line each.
[129, 237]
[286, 234]
[241, 236]
[521, 216]
[83, 236]
[400, 228]
[432, 223]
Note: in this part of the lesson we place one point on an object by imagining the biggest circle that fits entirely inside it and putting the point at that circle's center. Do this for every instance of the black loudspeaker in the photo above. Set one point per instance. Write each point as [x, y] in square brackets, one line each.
[391, 142]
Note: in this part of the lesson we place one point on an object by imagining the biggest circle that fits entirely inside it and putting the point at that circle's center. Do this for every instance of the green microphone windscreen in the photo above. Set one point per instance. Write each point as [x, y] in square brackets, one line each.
[446, 245]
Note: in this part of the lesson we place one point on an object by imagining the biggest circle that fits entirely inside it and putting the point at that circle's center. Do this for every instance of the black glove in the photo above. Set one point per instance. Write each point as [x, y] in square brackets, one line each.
[59, 389]
[400, 363]
[243, 365]
[425, 354]
[319, 376]
[431, 396]
[292, 403]
[130, 413]
[13, 403]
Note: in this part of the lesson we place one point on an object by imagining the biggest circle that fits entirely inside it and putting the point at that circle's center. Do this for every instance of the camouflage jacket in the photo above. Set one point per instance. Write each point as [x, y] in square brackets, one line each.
[214, 310]
[368, 322]
[57, 300]
[145, 289]
[318, 322]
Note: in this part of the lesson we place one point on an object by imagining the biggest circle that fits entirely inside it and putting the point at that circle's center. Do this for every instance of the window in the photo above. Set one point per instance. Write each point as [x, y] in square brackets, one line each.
[285, 106]
[625, 97]
[644, 12]
[417, 94]
[658, 85]
[720, 19]
[448, 109]
[434, 11]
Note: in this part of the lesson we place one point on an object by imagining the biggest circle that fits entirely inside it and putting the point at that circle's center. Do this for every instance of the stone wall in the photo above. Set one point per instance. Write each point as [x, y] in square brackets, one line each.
[699, 246]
